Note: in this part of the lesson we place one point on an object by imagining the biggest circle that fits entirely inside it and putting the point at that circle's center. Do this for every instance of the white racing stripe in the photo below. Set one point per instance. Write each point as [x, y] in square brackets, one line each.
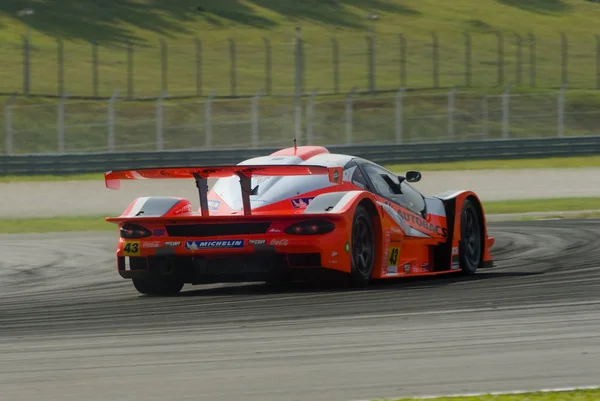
[510, 392]
[139, 204]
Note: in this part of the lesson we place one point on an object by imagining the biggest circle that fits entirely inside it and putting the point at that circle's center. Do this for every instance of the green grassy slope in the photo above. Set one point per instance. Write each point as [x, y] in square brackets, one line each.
[142, 22]
[248, 22]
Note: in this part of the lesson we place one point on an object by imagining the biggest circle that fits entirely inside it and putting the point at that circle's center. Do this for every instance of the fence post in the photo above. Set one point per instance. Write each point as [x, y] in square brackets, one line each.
[402, 60]
[256, 119]
[348, 122]
[310, 135]
[561, 112]
[451, 95]
[26, 66]
[268, 66]
[485, 115]
[400, 115]
[505, 112]
[8, 124]
[111, 122]
[435, 59]
[564, 44]
[519, 62]
[467, 36]
[160, 137]
[198, 67]
[60, 123]
[208, 121]
[500, 58]
[335, 59]
[371, 64]
[60, 57]
[94, 68]
[298, 63]
[233, 68]
[597, 61]
[129, 69]
[297, 117]
[531, 59]
[164, 65]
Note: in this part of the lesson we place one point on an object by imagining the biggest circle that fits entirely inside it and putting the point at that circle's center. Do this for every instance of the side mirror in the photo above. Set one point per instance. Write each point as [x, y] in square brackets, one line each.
[413, 176]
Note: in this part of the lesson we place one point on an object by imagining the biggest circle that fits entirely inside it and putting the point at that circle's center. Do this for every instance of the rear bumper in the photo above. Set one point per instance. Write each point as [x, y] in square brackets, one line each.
[197, 269]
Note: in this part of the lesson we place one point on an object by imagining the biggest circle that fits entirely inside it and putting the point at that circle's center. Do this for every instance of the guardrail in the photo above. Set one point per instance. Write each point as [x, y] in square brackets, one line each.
[66, 164]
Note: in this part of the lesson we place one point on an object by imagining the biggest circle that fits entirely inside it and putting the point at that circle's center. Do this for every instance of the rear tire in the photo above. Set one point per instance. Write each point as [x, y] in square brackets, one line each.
[471, 243]
[158, 286]
[362, 248]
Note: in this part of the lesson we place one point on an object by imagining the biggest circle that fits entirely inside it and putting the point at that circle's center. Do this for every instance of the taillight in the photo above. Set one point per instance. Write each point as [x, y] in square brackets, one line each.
[130, 231]
[311, 227]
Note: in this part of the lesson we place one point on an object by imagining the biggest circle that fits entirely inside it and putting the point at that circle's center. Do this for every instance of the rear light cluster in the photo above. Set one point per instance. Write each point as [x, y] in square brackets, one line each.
[131, 231]
[311, 227]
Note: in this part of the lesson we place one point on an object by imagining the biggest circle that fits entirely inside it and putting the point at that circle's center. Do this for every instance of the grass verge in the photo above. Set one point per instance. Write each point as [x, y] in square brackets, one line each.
[576, 395]
[555, 162]
[62, 224]
[541, 205]
[55, 224]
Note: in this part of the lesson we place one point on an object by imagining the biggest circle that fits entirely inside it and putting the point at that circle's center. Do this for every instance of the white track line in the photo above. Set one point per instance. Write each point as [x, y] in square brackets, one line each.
[513, 392]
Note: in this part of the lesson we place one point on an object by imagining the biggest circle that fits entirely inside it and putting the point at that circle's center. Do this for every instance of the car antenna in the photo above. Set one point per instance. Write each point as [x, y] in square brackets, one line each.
[295, 144]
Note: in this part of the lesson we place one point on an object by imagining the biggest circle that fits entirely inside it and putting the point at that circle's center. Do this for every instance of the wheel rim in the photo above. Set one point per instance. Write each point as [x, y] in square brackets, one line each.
[362, 245]
[471, 237]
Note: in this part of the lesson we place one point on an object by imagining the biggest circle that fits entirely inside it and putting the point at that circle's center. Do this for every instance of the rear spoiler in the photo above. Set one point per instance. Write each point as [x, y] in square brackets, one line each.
[112, 179]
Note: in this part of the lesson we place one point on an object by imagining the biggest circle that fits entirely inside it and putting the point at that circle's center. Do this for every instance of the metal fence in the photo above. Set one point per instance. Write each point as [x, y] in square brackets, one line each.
[295, 66]
[75, 126]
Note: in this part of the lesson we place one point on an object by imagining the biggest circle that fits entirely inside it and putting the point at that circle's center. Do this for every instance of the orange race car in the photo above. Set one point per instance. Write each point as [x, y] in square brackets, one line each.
[292, 214]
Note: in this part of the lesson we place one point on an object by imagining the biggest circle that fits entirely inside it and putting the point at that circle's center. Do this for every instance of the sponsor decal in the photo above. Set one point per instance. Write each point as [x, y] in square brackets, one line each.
[279, 242]
[300, 203]
[347, 247]
[392, 270]
[194, 245]
[172, 244]
[333, 254]
[419, 222]
[395, 230]
[274, 230]
[131, 248]
[425, 267]
[185, 209]
[454, 251]
[455, 265]
[153, 244]
[257, 241]
[406, 267]
[159, 232]
[213, 204]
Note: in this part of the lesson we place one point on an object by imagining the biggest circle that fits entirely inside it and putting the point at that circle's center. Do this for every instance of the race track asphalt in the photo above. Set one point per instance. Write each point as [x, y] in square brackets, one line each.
[71, 329]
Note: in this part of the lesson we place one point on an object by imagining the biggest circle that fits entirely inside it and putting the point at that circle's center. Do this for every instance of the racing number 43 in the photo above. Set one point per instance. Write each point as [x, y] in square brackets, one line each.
[131, 248]
[393, 258]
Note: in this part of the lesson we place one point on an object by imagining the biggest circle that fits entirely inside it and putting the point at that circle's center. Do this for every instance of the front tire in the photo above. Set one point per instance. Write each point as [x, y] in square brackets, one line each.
[363, 248]
[158, 286]
[471, 244]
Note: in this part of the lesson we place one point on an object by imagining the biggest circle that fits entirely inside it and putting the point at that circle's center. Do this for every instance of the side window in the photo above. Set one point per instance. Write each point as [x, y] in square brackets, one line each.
[354, 175]
[383, 183]
[412, 197]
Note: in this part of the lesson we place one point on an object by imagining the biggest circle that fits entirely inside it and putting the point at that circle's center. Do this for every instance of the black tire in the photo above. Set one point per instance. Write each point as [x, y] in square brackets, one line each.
[158, 286]
[471, 243]
[362, 249]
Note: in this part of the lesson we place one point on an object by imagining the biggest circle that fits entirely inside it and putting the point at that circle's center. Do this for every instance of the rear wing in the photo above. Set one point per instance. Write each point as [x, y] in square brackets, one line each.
[201, 175]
